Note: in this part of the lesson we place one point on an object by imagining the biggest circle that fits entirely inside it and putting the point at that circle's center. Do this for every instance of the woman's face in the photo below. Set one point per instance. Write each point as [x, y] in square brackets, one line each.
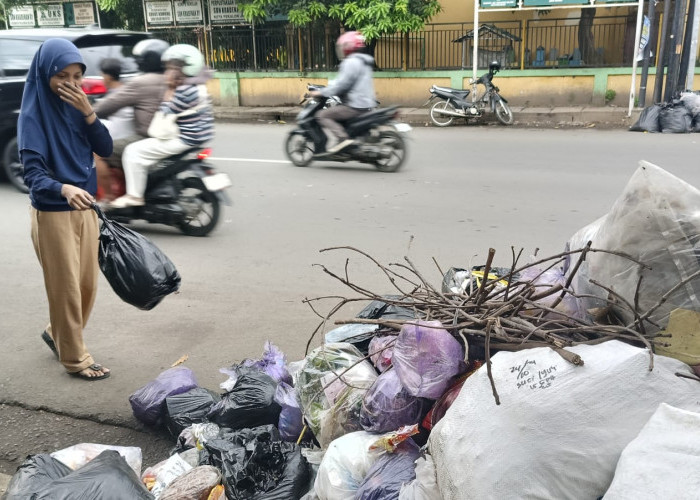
[71, 74]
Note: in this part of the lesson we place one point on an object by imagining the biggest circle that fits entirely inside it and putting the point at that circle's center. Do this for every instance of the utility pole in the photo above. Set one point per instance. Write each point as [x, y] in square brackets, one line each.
[693, 46]
[674, 63]
[689, 49]
[651, 15]
[661, 56]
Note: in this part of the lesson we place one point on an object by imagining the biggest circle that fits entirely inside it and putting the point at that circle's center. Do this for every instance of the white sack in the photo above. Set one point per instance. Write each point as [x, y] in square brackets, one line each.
[424, 486]
[560, 428]
[662, 461]
[656, 220]
[80, 454]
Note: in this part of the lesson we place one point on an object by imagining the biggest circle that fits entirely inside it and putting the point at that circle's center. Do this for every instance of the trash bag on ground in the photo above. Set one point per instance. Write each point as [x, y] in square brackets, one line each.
[387, 405]
[273, 362]
[106, 477]
[137, 270]
[691, 101]
[381, 350]
[196, 483]
[291, 421]
[443, 404]
[544, 280]
[648, 120]
[33, 475]
[424, 486]
[332, 402]
[379, 309]
[391, 470]
[464, 281]
[78, 455]
[656, 220]
[663, 460]
[675, 118]
[159, 476]
[427, 358]
[344, 466]
[187, 408]
[251, 402]
[558, 424]
[148, 402]
[196, 435]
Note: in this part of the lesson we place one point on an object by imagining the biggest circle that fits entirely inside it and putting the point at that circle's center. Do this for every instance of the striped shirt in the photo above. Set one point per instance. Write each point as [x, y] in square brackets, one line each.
[197, 128]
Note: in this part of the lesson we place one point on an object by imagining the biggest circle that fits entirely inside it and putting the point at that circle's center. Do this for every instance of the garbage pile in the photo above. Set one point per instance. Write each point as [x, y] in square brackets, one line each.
[679, 116]
[551, 378]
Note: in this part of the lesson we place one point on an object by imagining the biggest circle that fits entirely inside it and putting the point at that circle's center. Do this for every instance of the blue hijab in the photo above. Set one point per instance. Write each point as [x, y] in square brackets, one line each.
[47, 125]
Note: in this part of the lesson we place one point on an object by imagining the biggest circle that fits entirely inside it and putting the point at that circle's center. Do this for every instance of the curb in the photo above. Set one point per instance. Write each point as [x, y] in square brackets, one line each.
[4, 481]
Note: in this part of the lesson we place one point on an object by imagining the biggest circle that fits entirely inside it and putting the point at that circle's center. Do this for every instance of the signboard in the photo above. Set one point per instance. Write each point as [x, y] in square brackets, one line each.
[21, 17]
[549, 3]
[188, 11]
[492, 4]
[159, 12]
[225, 11]
[83, 14]
[50, 15]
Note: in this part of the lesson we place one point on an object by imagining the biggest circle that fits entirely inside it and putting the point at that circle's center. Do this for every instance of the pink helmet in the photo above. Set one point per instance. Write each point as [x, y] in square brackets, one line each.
[349, 42]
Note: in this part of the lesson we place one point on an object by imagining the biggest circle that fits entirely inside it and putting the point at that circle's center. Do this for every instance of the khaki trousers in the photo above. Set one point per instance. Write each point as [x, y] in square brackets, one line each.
[66, 244]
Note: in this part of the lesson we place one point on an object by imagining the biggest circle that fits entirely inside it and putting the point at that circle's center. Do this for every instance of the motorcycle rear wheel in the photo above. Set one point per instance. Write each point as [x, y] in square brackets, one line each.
[503, 113]
[300, 149]
[202, 208]
[438, 118]
[389, 139]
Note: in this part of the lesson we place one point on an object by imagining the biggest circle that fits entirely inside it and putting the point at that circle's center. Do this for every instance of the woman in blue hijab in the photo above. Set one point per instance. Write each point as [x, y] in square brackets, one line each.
[58, 133]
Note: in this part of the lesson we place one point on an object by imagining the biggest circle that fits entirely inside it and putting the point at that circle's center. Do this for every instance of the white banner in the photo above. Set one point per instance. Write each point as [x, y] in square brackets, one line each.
[159, 12]
[225, 11]
[83, 13]
[21, 17]
[50, 15]
[188, 11]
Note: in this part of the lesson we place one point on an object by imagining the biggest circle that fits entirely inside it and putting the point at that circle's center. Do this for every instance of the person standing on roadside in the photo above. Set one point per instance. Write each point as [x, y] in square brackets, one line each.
[58, 132]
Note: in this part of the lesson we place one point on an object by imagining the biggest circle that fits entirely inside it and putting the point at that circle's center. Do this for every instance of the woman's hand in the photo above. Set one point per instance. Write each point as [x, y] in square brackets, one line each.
[79, 199]
[72, 94]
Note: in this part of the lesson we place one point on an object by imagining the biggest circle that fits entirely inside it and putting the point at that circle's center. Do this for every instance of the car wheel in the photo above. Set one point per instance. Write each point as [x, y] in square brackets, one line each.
[14, 171]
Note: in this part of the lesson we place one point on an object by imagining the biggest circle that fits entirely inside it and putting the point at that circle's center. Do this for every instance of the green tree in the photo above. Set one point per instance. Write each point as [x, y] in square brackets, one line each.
[121, 14]
[372, 17]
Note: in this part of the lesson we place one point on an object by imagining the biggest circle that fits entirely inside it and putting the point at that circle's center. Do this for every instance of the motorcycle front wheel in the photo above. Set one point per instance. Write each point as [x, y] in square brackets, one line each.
[440, 119]
[201, 208]
[392, 150]
[503, 113]
[300, 149]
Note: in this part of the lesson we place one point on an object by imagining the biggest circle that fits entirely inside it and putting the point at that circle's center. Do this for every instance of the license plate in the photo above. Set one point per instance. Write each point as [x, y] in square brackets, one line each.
[217, 182]
[403, 127]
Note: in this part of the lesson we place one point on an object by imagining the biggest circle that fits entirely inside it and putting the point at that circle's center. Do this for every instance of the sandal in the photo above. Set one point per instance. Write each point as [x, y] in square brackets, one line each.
[94, 367]
[49, 342]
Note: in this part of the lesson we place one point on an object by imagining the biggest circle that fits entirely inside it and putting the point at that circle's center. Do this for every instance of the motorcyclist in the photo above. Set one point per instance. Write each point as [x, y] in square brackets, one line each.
[354, 87]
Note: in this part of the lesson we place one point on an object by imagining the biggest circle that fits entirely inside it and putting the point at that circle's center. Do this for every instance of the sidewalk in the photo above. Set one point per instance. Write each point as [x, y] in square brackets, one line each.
[540, 117]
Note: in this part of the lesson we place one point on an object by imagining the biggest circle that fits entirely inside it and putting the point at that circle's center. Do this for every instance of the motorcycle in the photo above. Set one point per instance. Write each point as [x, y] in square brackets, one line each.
[379, 137]
[454, 103]
[183, 191]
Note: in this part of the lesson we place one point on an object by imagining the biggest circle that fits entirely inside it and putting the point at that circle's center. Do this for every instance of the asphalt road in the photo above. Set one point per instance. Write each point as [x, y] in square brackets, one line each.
[463, 190]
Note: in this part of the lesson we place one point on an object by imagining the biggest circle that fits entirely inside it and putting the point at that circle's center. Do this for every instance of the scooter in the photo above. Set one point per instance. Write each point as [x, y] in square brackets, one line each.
[379, 138]
[454, 103]
[183, 191]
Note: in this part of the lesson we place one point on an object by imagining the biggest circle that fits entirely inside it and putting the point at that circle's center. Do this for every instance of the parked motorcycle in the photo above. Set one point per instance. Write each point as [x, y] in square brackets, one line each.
[183, 191]
[379, 138]
[454, 103]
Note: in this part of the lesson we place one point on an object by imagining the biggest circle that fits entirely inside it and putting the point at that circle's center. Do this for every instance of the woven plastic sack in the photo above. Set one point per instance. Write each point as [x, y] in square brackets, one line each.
[560, 428]
[427, 358]
[388, 405]
[655, 220]
[148, 403]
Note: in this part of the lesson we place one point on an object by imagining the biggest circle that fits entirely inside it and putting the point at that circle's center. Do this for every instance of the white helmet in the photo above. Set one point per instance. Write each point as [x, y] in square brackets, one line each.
[191, 58]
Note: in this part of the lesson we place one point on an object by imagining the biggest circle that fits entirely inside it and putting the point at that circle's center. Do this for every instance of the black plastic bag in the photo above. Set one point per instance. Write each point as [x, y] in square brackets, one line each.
[648, 120]
[106, 477]
[137, 270]
[250, 403]
[191, 407]
[675, 119]
[35, 473]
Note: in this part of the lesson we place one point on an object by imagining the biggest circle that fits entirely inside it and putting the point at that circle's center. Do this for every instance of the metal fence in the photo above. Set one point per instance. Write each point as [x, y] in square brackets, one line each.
[535, 43]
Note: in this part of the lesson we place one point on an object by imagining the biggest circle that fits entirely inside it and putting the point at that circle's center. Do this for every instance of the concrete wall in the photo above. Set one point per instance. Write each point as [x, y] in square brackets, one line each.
[532, 88]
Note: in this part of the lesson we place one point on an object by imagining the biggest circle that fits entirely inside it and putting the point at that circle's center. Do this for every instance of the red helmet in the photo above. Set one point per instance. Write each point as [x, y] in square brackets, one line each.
[349, 42]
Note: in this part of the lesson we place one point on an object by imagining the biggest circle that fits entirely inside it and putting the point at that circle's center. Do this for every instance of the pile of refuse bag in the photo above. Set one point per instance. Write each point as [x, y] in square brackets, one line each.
[678, 116]
[394, 405]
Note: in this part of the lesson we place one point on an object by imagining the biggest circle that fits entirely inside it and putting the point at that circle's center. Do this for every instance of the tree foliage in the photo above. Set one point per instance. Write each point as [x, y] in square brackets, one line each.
[121, 14]
[372, 17]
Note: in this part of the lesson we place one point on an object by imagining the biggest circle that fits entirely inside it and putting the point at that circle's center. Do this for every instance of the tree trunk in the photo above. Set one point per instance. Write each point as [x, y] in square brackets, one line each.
[586, 43]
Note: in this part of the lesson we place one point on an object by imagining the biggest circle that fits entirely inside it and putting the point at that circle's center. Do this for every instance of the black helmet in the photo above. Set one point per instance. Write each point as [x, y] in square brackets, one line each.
[494, 67]
[147, 54]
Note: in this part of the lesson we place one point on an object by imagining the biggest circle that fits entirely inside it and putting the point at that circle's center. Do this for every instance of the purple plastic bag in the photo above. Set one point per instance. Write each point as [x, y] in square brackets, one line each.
[148, 403]
[273, 363]
[384, 479]
[381, 349]
[291, 420]
[388, 405]
[427, 357]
